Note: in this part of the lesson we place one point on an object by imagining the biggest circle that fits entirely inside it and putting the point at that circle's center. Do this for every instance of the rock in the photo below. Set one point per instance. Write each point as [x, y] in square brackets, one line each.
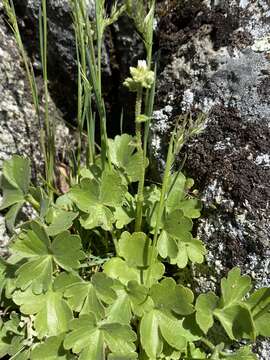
[214, 57]
[19, 129]
[122, 47]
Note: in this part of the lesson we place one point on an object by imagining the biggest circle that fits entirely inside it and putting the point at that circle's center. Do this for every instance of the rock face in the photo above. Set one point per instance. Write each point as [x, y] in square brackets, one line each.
[214, 57]
[19, 130]
[121, 48]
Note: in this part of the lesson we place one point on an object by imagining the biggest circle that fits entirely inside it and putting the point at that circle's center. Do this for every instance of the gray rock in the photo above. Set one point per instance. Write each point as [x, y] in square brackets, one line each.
[19, 129]
[214, 57]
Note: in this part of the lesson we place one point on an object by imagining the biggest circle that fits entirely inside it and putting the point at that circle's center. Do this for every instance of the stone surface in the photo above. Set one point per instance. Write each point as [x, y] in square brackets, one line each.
[214, 57]
[19, 129]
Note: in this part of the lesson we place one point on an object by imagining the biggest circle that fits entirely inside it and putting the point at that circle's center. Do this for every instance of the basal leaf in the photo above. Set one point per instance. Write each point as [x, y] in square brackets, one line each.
[37, 273]
[50, 349]
[167, 246]
[176, 191]
[237, 321]
[100, 215]
[127, 356]
[117, 268]
[66, 249]
[259, 305]
[96, 199]
[119, 338]
[123, 155]
[52, 313]
[172, 331]
[12, 214]
[135, 249]
[150, 336]
[91, 338]
[120, 310]
[191, 208]
[168, 295]
[60, 221]
[205, 305]
[235, 287]
[11, 195]
[82, 297]
[112, 191]
[104, 287]
[245, 353]
[42, 255]
[54, 317]
[177, 225]
[17, 172]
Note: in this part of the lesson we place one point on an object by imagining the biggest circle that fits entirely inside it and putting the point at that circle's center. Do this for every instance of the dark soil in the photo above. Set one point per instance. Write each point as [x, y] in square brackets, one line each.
[234, 166]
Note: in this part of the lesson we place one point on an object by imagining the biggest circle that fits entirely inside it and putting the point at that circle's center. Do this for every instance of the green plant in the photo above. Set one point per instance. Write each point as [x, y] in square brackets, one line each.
[93, 275]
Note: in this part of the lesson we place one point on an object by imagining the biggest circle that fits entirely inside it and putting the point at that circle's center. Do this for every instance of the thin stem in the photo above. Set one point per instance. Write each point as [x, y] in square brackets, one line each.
[161, 207]
[49, 127]
[140, 198]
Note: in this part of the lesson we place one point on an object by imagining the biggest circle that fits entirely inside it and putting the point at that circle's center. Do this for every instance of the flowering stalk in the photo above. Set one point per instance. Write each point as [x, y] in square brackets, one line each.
[142, 78]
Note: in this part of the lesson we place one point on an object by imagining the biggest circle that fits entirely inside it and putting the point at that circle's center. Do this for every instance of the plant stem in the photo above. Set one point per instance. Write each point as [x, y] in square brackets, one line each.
[164, 188]
[140, 198]
[49, 127]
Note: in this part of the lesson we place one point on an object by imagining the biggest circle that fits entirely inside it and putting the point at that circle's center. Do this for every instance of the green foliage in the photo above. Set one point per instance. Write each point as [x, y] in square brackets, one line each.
[93, 275]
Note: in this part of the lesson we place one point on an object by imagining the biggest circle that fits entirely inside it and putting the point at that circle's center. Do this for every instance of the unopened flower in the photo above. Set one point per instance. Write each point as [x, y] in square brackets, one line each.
[142, 77]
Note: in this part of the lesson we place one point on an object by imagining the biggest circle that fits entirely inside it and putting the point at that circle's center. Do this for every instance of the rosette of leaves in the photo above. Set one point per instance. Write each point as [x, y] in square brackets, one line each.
[15, 184]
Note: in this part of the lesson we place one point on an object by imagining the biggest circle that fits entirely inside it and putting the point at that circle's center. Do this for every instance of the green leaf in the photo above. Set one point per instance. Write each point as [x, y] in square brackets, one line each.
[181, 251]
[17, 172]
[176, 191]
[120, 309]
[123, 155]
[130, 298]
[42, 255]
[103, 285]
[91, 338]
[259, 305]
[12, 214]
[82, 297]
[237, 321]
[191, 208]
[52, 313]
[11, 195]
[205, 305]
[167, 246]
[177, 225]
[66, 249]
[15, 185]
[245, 353]
[135, 249]
[60, 220]
[127, 356]
[150, 335]
[235, 287]
[54, 317]
[124, 214]
[95, 199]
[158, 328]
[118, 269]
[172, 331]
[168, 295]
[50, 349]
